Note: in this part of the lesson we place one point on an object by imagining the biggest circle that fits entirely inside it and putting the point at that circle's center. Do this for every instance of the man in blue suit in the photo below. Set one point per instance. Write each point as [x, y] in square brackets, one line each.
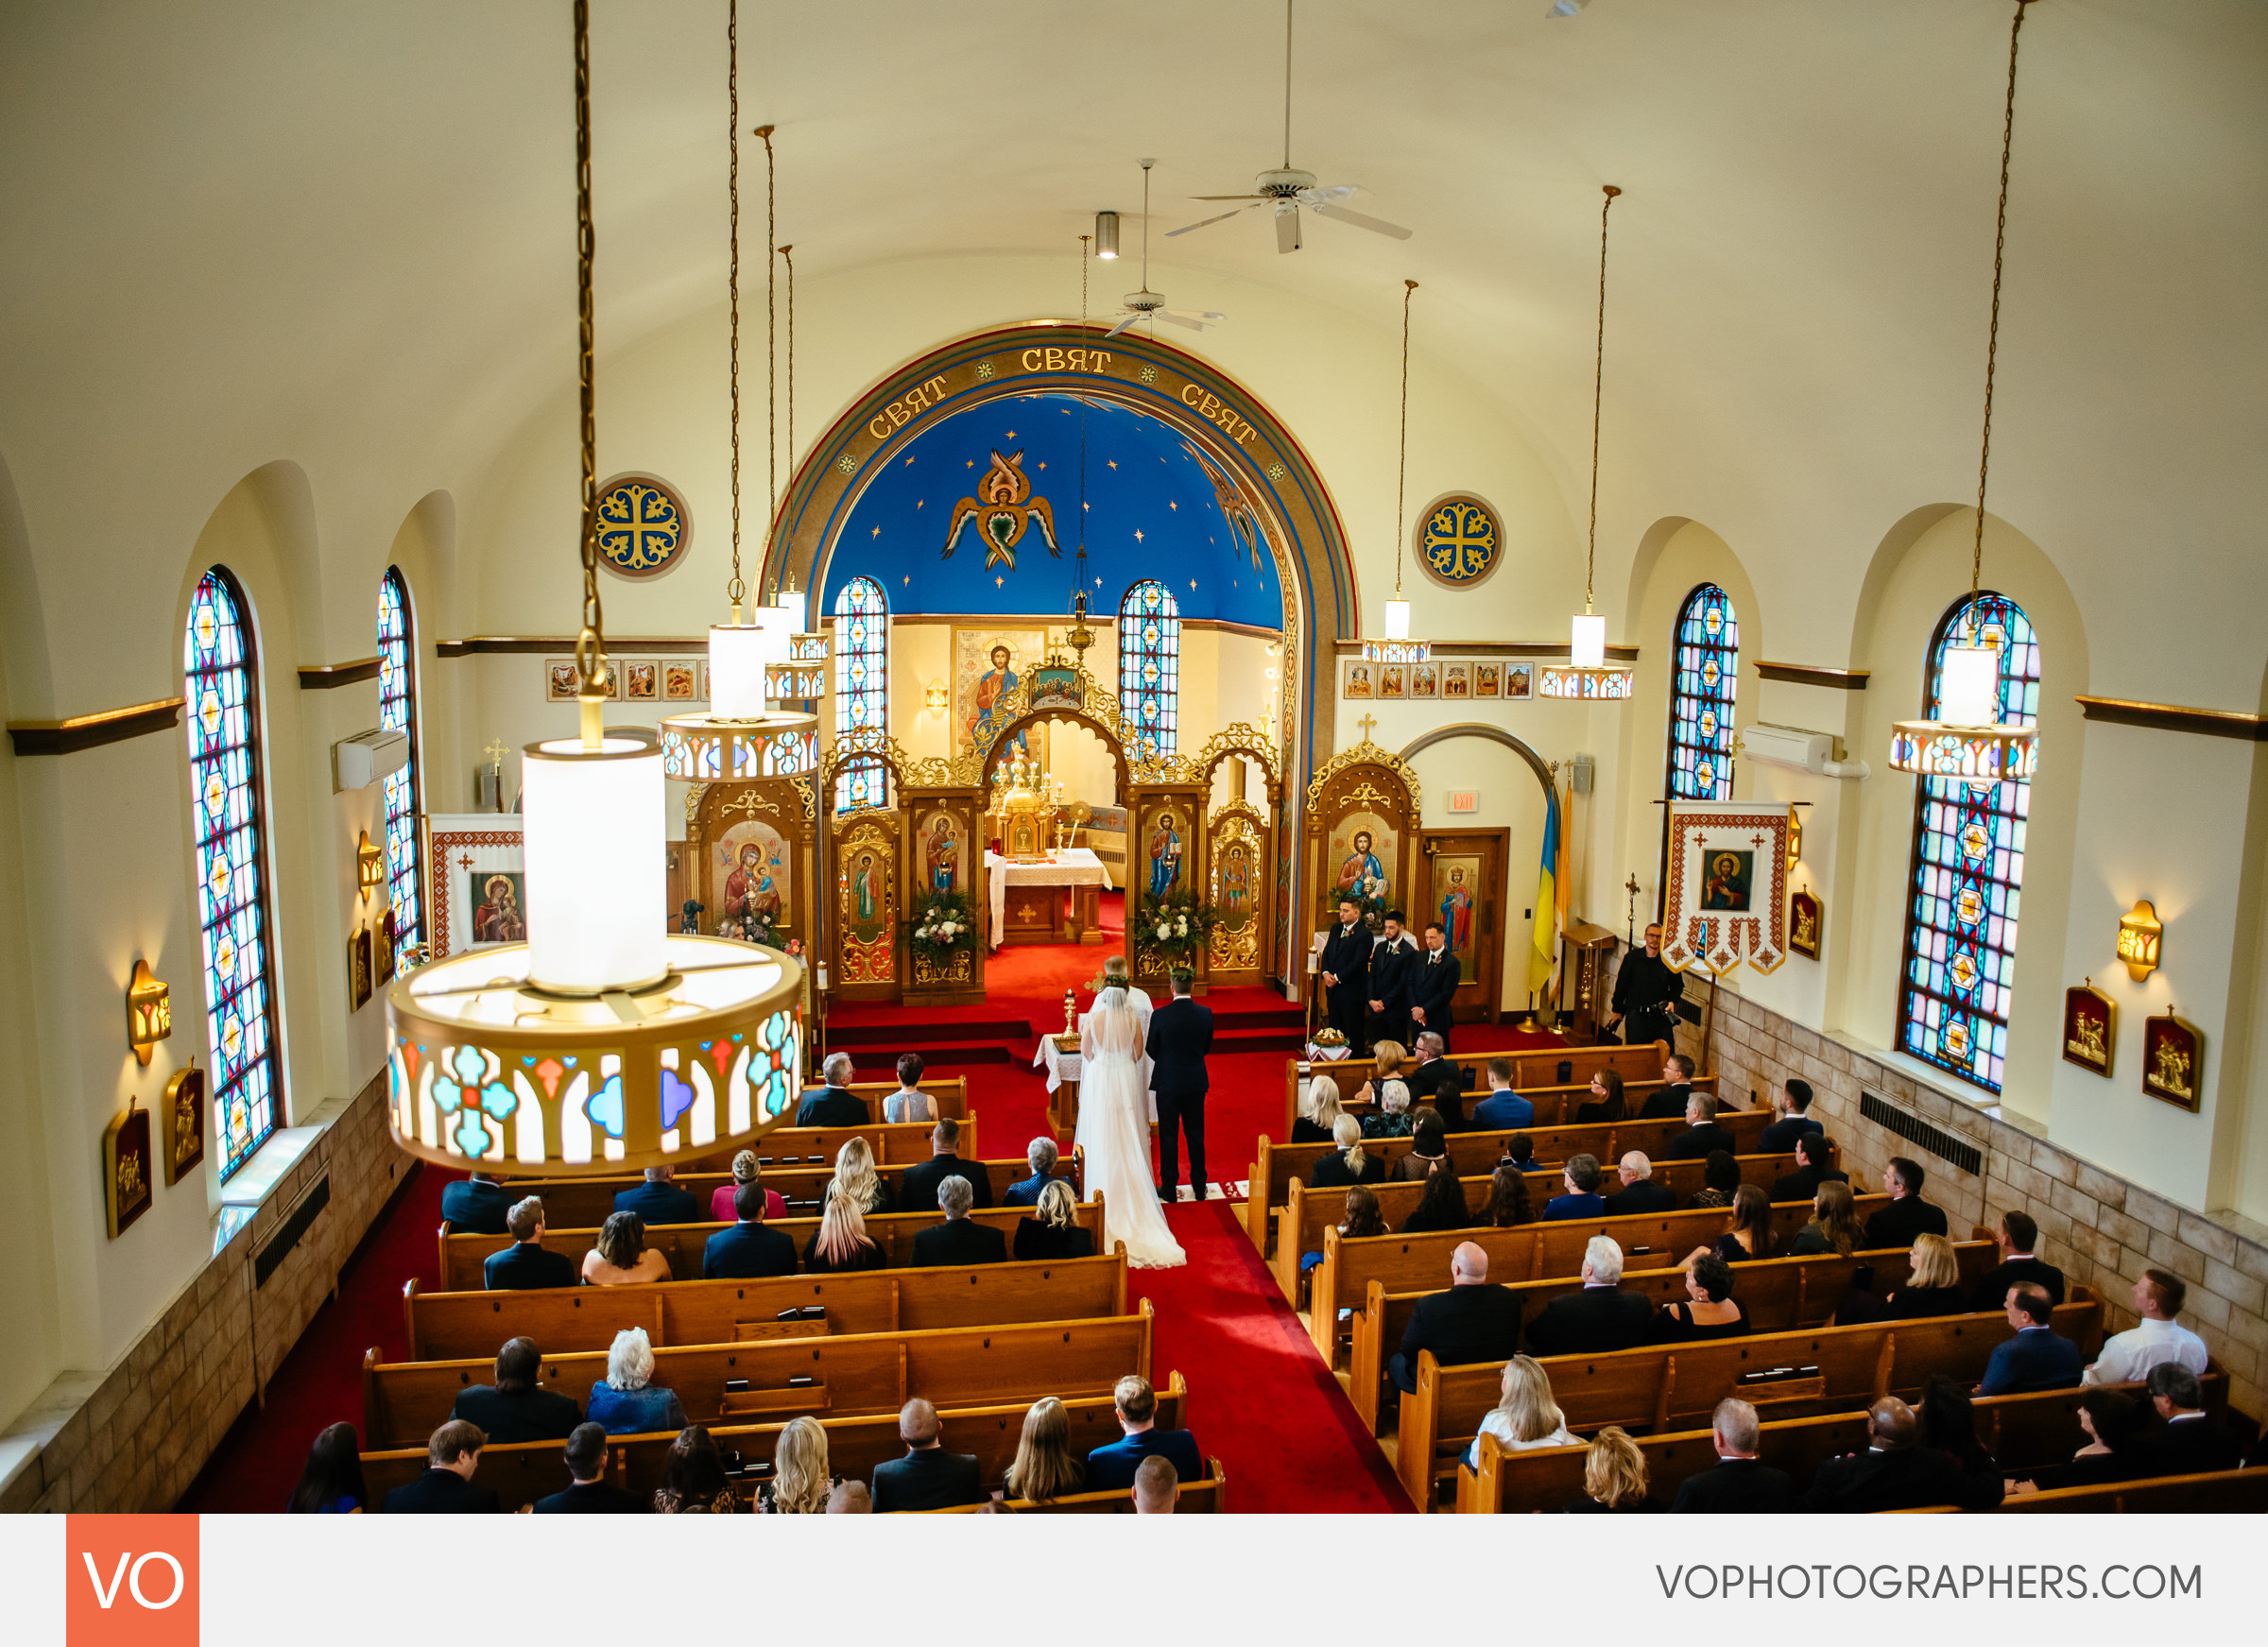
[1180, 1035]
[1432, 985]
[1344, 968]
[476, 1206]
[751, 1247]
[1792, 1107]
[526, 1263]
[1112, 1468]
[659, 1201]
[1039, 1155]
[1392, 960]
[1582, 1200]
[2035, 1358]
[1502, 1109]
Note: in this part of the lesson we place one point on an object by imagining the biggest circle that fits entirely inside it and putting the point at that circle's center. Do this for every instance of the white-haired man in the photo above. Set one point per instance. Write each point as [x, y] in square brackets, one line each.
[957, 1241]
[834, 1105]
[1040, 1155]
[1702, 1136]
[1600, 1317]
[1639, 1192]
[1738, 1484]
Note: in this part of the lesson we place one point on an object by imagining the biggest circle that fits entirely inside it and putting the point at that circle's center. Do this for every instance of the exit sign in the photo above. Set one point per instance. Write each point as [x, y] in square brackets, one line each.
[1464, 800]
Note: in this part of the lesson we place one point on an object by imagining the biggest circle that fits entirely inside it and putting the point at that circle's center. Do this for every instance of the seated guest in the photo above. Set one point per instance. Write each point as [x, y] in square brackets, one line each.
[331, 1482]
[834, 1105]
[957, 1241]
[1362, 1219]
[1709, 1310]
[1790, 1118]
[850, 1497]
[1389, 1060]
[1471, 1322]
[2036, 1358]
[1580, 1178]
[2128, 1356]
[1738, 1484]
[1429, 1147]
[1054, 1231]
[622, 1258]
[626, 1400]
[1039, 1155]
[1908, 1215]
[909, 1102]
[1319, 1111]
[1835, 1227]
[1702, 1135]
[1438, 1082]
[693, 1477]
[1045, 1468]
[1507, 1198]
[1605, 1102]
[1895, 1472]
[1157, 1487]
[801, 1484]
[1933, 1283]
[928, 1477]
[1638, 1194]
[476, 1206]
[1525, 1417]
[1519, 1151]
[1111, 1468]
[1750, 1237]
[526, 1263]
[515, 1407]
[2192, 1441]
[589, 1494]
[1614, 1476]
[1504, 1109]
[1719, 1181]
[751, 1247]
[2017, 1235]
[918, 1188]
[1600, 1317]
[1354, 1164]
[854, 1174]
[659, 1201]
[1392, 1116]
[446, 1488]
[747, 1169]
[2117, 1448]
[1441, 1206]
[1949, 1423]
[1814, 1166]
[841, 1243]
[1676, 1086]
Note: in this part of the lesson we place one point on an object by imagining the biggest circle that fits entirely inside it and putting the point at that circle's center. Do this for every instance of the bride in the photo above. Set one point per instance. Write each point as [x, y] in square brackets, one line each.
[1115, 1133]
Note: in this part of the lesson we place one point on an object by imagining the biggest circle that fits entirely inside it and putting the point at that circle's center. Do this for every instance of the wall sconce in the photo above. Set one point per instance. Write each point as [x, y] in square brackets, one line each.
[369, 866]
[933, 699]
[149, 1012]
[2140, 931]
[1795, 836]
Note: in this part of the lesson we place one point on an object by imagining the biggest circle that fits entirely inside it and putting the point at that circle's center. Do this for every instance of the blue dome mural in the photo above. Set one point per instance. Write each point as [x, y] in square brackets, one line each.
[962, 519]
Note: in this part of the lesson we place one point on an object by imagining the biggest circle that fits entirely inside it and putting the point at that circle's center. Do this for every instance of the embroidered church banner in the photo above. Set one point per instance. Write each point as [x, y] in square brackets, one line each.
[475, 881]
[1727, 893]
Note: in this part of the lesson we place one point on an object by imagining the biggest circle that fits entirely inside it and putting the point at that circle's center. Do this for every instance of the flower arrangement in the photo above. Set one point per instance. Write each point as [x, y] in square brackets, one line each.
[1176, 926]
[1329, 1038]
[944, 925]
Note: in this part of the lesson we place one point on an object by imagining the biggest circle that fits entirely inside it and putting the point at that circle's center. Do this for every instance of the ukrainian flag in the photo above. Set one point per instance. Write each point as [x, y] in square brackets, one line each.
[1550, 899]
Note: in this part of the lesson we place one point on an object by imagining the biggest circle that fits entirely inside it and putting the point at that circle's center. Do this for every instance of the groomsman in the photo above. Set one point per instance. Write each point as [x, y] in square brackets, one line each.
[1344, 968]
[1391, 963]
[1432, 985]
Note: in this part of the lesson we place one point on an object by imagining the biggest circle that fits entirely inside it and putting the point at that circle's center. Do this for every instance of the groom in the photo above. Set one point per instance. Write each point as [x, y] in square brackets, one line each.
[1180, 1035]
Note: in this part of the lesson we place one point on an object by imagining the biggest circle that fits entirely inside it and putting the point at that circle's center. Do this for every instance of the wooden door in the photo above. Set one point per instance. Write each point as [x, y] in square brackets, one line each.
[1463, 882]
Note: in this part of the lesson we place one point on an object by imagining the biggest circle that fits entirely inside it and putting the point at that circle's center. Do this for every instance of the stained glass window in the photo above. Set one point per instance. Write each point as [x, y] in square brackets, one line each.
[1704, 674]
[397, 712]
[862, 688]
[1149, 665]
[1969, 865]
[222, 689]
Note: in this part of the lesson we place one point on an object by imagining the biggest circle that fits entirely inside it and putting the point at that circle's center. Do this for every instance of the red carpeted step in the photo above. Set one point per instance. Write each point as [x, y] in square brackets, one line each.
[914, 1032]
[875, 1063]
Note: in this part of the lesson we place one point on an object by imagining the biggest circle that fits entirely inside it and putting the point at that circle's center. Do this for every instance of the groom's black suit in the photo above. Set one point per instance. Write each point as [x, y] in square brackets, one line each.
[1346, 957]
[1180, 1036]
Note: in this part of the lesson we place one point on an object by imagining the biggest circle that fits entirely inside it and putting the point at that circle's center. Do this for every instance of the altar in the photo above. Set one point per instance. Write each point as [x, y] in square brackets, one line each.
[1030, 905]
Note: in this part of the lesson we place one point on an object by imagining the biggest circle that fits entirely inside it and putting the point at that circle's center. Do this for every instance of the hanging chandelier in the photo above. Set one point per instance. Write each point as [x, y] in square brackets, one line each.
[1973, 737]
[604, 1042]
[1587, 674]
[1397, 647]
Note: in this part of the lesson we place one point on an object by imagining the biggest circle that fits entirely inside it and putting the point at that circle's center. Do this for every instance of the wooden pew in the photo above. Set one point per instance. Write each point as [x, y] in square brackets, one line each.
[1667, 1387]
[1534, 1077]
[1208, 1495]
[462, 1256]
[403, 1402]
[2032, 1431]
[2225, 1492]
[1477, 1152]
[1525, 1252]
[522, 1472]
[1308, 1212]
[1780, 1294]
[455, 1326]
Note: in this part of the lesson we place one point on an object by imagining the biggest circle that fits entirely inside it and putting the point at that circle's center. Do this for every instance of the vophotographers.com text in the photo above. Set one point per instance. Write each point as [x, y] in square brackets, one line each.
[1886, 1581]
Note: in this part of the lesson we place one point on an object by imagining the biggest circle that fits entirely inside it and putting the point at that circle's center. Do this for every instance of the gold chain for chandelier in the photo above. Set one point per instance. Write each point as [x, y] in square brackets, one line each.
[590, 644]
[1992, 344]
[1598, 386]
[1083, 277]
[787, 255]
[1401, 466]
[771, 326]
[737, 590]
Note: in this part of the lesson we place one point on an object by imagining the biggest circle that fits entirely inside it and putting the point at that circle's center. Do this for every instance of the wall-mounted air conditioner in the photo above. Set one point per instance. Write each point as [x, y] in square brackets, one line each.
[362, 760]
[1806, 751]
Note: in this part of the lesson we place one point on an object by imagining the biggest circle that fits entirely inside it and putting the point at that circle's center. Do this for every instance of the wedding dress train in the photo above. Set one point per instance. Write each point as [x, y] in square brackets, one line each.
[1114, 1131]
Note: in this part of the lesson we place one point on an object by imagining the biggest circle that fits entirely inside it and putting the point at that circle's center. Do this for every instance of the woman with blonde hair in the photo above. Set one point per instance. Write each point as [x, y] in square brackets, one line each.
[841, 1242]
[747, 1169]
[1354, 1164]
[1525, 1414]
[1614, 1476]
[1052, 1230]
[1835, 1227]
[1045, 1467]
[622, 1256]
[1391, 1057]
[1319, 1111]
[799, 1483]
[1933, 1283]
[854, 1171]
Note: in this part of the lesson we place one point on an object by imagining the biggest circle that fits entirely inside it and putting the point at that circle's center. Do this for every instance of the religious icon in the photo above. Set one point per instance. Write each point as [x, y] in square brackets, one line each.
[182, 1115]
[382, 959]
[755, 902]
[1519, 681]
[1166, 856]
[498, 910]
[561, 682]
[680, 682]
[1730, 877]
[1456, 681]
[1456, 912]
[2090, 1028]
[1358, 680]
[1424, 681]
[2173, 1060]
[642, 680]
[1392, 679]
[1005, 506]
[358, 968]
[1805, 918]
[1488, 680]
[1055, 686]
[1361, 873]
[989, 673]
[128, 1185]
[863, 888]
[941, 852]
[1236, 881]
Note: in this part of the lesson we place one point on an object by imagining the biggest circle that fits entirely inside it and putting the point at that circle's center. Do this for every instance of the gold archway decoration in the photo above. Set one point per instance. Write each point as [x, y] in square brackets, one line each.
[863, 743]
[1363, 754]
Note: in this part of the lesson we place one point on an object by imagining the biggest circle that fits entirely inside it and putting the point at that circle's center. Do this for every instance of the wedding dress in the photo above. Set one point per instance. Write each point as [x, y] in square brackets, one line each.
[1114, 1107]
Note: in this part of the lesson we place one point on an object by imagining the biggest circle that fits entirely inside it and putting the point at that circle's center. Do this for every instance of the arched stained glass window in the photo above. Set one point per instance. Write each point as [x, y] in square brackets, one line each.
[1149, 665]
[221, 676]
[862, 688]
[1967, 867]
[397, 712]
[1705, 672]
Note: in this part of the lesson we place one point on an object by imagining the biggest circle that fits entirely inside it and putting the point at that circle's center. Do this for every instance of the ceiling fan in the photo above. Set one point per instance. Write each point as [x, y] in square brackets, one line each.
[1287, 188]
[1146, 304]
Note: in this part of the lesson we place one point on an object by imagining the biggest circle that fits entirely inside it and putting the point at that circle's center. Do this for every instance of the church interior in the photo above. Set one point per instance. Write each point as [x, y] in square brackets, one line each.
[1658, 545]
